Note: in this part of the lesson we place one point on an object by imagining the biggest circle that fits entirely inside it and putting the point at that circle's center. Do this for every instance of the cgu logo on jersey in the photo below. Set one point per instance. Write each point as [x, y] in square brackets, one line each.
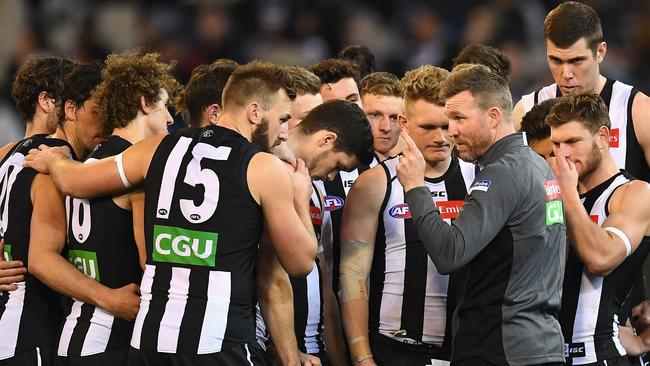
[613, 137]
[182, 246]
[7, 252]
[333, 203]
[400, 211]
[449, 209]
[86, 262]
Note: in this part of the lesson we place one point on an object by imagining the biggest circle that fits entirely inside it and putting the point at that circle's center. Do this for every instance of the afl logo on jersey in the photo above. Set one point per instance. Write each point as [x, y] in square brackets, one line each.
[162, 211]
[400, 211]
[195, 217]
[333, 203]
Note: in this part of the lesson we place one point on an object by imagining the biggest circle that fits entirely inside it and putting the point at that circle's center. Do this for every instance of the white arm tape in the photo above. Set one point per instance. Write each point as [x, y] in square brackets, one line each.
[621, 234]
[120, 169]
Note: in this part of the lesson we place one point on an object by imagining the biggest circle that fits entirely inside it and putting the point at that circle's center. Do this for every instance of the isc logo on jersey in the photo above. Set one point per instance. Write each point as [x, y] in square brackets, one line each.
[554, 208]
[333, 203]
[400, 211]
[182, 246]
[86, 262]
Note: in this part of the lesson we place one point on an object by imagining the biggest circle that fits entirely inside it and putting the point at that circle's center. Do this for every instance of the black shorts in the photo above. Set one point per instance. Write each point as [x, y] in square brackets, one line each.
[474, 361]
[110, 358]
[617, 361]
[389, 352]
[234, 354]
[33, 357]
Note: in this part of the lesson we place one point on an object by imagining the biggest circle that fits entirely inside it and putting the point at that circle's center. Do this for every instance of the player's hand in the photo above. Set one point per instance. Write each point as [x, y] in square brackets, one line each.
[10, 273]
[124, 302]
[308, 360]
[41, 158]
[366, 362]
[410, 169]
[641, 314]
[284, 153]
[565, 172]
[633, 344]
[301, 182]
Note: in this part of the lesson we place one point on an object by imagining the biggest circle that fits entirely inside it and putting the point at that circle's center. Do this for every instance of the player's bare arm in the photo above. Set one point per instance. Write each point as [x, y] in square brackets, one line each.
[286, 211]
[47, 239]
[641, 120]
[358, 232]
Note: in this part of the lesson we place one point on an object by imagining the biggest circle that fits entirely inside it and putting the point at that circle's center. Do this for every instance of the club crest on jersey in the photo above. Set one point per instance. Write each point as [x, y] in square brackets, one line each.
[400, 211]
[332, 203]
[480, 185]
[86, 262]
[614, 137]
[182, 246]
[206, 134]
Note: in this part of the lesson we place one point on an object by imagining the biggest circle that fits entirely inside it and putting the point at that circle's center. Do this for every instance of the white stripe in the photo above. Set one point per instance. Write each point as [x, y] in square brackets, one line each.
[618, 116]
[38, 356]
[98, 333]
[68, 328]
[313, 311]
[435, 306]
[168, 183]
[10, 321]
[120, 170]
[584, 327]
[145, 300]
[617, 341]
[215, 319]
[248, 355]
[174, 310]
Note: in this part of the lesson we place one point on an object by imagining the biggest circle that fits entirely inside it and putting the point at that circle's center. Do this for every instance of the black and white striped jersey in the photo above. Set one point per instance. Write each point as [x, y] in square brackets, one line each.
[308, 293]
[101, 244]
[30, 316]
[202, 229]
[335, 194]
[408, 297]
[590, 303]
[623, 143]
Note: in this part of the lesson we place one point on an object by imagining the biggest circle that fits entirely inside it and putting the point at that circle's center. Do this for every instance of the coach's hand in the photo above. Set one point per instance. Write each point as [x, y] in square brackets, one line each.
[10, 273]
[124, 302]
[410, 169]
[41, 158]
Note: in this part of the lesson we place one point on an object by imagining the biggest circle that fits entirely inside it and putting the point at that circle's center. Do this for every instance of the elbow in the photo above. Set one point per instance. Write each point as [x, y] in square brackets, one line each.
[445, 269]
[300, 268]
[599, 266]
[36, 268]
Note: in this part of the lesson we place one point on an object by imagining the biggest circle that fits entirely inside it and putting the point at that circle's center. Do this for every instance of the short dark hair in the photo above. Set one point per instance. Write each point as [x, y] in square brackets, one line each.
[585, 107]
[569, 22]
[350, 124]
[362, 56]
[332, 70]
[39, 74]
[128, 76]
[303, 80]
[491, 57]
[78, 87]
[381, 83]
[256, 81]
[533, 122]
[204, 88]
[488, 88]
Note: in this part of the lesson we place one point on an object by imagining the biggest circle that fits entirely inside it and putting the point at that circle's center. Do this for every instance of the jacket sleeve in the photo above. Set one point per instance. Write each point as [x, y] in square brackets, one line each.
[490, 203]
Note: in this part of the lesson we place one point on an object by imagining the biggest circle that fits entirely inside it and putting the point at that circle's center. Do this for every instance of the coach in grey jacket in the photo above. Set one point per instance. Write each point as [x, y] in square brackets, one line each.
[508, 244]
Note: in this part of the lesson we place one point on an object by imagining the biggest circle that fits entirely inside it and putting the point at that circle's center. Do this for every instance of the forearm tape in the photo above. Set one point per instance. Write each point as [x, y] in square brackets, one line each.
[356, 259]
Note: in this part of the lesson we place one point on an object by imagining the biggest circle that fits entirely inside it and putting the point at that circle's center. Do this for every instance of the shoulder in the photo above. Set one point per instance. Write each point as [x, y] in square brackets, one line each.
[634, 194]
[372, 180]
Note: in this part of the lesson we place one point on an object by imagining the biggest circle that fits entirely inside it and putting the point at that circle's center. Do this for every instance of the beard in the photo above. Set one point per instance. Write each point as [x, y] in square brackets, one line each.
[260, 136]
[592, 162]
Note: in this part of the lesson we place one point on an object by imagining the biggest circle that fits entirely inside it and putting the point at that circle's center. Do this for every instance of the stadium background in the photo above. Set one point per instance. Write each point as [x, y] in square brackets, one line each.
[402, 33]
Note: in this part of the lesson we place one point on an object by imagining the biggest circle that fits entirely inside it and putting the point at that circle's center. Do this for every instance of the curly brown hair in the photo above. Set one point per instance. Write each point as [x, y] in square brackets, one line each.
[585, 107]
[39, 74]
[424, 83]
[332, 70]
[126, 77]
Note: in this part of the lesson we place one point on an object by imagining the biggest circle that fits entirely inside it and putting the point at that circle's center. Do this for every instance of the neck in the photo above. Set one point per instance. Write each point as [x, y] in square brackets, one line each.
[437, 169]
[295, 144]
[237, 124]
[37, 125]
[600, 84]
[605, 170]
[381, 156]
[133, 132]
[66, 133]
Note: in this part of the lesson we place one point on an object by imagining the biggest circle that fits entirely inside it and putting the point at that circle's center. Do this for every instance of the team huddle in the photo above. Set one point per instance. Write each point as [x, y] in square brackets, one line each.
[327, 215]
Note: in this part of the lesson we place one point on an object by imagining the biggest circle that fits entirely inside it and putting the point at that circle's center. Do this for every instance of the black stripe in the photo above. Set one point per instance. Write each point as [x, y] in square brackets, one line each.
[321, 322]
[635, 161]
[335, 188]
[300, 310]
[558, 92]
[536, 97]
[188, 338]
[80, 330]
[159, 289]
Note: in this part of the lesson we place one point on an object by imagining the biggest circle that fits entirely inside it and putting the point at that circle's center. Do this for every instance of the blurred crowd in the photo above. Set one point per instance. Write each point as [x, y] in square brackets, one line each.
[403, 34]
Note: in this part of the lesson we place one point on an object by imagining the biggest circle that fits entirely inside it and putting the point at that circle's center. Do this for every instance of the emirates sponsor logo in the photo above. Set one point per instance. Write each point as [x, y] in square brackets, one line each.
[614, 137]
[316, 215]
[552, 190]
[450, 209]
